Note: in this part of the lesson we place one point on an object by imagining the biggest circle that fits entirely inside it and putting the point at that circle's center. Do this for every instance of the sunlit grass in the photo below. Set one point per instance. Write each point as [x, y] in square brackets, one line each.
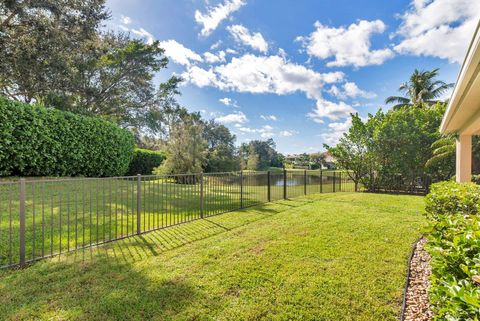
[321, 257]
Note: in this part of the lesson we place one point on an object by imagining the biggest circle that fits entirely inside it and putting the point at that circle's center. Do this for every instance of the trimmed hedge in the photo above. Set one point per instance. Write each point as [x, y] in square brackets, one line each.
[454, 245]
[40, 141]
[144, 161]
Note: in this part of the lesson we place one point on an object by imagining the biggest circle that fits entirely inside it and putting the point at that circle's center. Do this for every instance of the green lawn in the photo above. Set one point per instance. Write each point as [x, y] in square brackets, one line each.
[65, 214]
[321, 257]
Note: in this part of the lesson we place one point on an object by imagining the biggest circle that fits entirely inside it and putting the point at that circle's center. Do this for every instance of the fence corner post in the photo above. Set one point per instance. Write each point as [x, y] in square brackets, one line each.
[22, 222]
[202, 202]
[139, 199]
[241, 189]
[284, 184]
[269, 191]
[305, 182]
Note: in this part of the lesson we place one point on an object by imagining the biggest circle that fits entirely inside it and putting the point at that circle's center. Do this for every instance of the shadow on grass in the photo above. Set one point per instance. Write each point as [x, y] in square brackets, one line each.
[103, 283]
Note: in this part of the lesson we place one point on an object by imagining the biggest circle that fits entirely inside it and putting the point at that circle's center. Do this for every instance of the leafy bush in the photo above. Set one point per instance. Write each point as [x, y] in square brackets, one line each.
[454, 245]
[144, 161]
[40, 141]
[450, 198]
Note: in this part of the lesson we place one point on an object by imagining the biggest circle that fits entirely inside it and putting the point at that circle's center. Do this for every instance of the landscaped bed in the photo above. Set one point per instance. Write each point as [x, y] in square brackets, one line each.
[323, 257]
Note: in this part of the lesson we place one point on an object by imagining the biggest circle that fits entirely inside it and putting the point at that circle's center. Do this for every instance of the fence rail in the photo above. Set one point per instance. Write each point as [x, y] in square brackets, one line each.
[41, 218]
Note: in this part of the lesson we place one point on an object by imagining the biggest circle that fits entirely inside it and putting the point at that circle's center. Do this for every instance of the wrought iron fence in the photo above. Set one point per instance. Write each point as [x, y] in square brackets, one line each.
[41, 218]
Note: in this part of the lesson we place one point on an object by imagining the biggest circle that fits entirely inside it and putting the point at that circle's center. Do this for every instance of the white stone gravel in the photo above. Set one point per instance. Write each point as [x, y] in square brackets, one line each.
[417, 307]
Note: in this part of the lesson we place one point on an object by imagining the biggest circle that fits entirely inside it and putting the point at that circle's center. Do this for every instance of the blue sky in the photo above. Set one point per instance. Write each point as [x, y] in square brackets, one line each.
[295, 70]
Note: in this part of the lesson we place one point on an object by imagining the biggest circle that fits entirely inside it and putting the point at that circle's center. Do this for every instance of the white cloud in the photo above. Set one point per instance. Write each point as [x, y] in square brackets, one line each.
[336, 131]
[231, 51]
[126, 20]
[216, 45]
[331, 110]
[264, 132]
[349, 45]
[179, 53]
[215, 15]
[271, 74]
[263, 74]
[350, 90]
[237, 117]
[214, 58]
[142, 33]
[287, 133]
[226, 101]
[244, 36]
[269, 117]
[439, 28]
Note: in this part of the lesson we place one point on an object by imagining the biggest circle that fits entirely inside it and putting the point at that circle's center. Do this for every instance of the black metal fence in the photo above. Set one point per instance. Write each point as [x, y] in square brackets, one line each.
[41, 218]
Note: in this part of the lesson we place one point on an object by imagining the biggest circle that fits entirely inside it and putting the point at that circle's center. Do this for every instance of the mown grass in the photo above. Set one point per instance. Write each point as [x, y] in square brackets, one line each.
[65, 214]
[322, 257]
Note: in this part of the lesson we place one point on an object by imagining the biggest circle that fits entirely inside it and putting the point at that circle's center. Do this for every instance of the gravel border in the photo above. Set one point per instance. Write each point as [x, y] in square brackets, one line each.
[416, 306]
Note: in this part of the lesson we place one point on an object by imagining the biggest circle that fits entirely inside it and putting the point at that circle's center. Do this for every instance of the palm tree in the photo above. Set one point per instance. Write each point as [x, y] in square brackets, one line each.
[420, 88]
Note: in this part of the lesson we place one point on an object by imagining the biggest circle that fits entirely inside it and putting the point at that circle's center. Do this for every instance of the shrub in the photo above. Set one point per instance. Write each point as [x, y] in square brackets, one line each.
[449, 198]
[454, 244]
[40, 141]
[144, 161]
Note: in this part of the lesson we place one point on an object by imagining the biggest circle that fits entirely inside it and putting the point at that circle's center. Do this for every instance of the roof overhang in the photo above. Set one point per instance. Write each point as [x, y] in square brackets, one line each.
[463, 111]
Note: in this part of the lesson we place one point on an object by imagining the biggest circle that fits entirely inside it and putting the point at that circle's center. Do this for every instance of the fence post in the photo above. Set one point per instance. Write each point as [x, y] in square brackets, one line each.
[305, 182]
[321, 181]
[269, 195]
[340, 182]
[284, 184]
[139, 200]
[334, 181]
[22, 222]
[241, 189]
[202, 202]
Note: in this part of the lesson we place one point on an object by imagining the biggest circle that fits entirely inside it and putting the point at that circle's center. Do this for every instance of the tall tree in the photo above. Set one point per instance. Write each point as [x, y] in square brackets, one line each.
[421, 88]
[186, 148]
[37, 41]
[220, 148]
[352, 152]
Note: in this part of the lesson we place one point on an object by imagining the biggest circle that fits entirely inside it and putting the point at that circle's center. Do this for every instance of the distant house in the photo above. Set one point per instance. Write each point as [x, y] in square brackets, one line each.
[329, 161]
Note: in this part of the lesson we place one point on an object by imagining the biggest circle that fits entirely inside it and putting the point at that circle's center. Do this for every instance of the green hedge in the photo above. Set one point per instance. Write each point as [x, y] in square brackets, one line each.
[40, 141]
[454, 245]
[144, 161]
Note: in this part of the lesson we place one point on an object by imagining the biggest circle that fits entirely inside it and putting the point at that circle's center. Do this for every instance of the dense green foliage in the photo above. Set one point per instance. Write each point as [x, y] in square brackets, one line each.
[40, 141]
[221, 151]
[260, 155]
[389, 150]
[454, 245]
[144, 161]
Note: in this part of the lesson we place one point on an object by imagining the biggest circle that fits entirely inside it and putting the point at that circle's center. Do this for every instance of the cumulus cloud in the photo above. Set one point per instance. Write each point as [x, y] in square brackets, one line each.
[237, 117]
[264, 132]
[287, 133]
[439, 28]
[350, 90]
[271, 74]
[331, 110]
[348, 45]
[215, 15]
[126, 20]
[142, 33]
[179, 53]
[269, 117]
[263, 74]
[244, 36]
[214, 58]
[336, 131]
[226, 101]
